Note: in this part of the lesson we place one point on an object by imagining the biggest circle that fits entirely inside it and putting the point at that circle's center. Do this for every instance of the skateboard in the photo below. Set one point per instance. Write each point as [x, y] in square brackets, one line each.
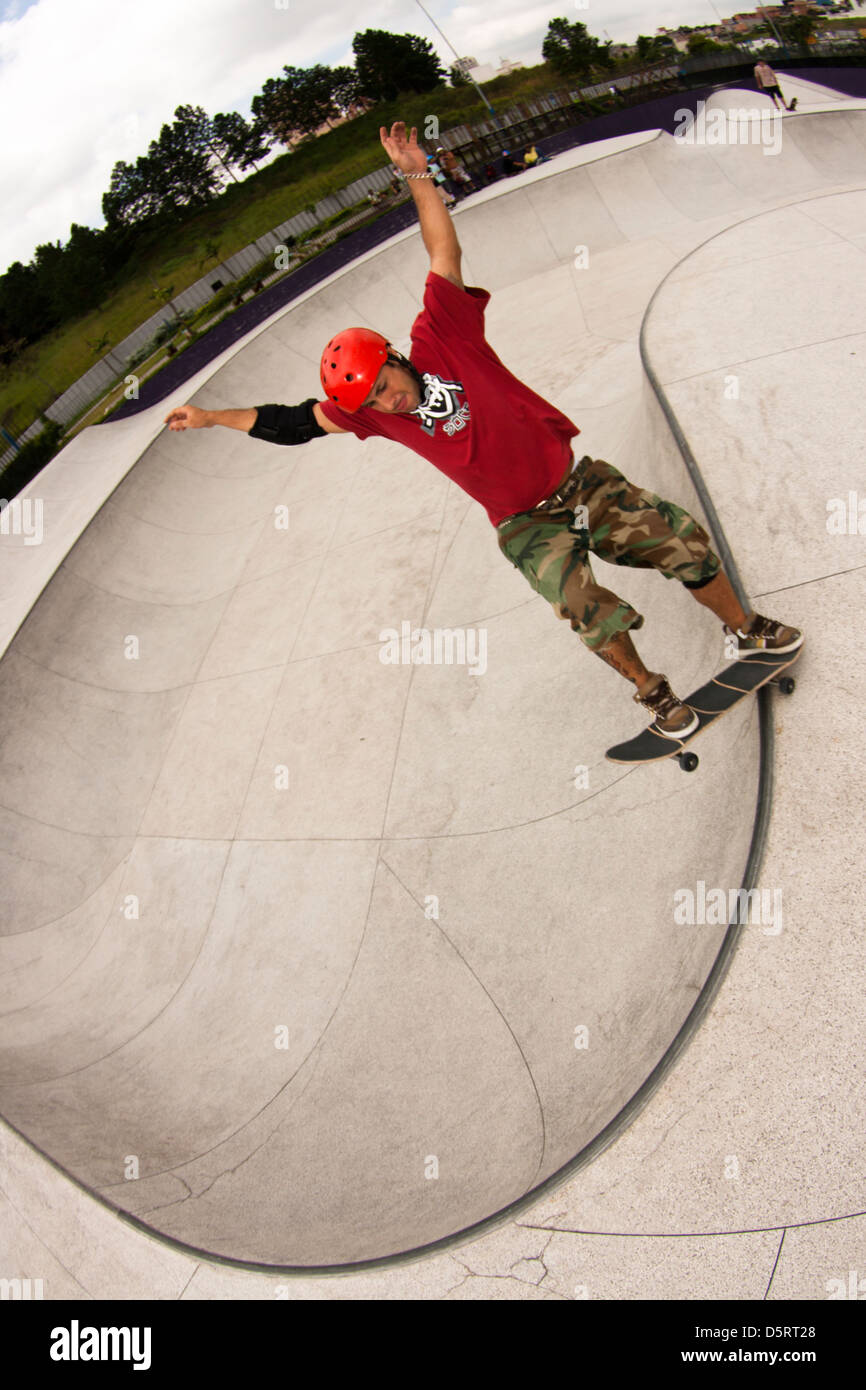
[709, 702]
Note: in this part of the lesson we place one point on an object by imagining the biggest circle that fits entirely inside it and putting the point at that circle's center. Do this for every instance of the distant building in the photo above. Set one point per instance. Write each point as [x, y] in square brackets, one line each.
[679, 40]
[680, 37]
[485, 72]
[744, 22]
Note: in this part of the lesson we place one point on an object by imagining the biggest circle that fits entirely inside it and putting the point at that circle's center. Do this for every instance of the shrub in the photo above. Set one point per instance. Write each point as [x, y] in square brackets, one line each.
[30, 460]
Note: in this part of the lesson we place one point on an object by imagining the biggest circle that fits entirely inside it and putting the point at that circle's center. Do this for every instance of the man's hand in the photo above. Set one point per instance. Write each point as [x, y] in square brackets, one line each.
[406, 155]
[188, 417]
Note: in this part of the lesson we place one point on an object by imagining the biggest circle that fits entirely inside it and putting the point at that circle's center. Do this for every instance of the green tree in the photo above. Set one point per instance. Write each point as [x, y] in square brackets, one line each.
[178, 169]
[129, 199]
[797, 29]
[25, 309]
[572, 51]
[98, 345]
[48, 263]
[72, 277]
[648, 49]
[195, 131]
[32, 458]
[211, 251]
[293, 106]
[86, 275]
[700, 43]
[388, 64]
[328, 91]
[276, 107]
[347, 90]
[9, 350]
[237, 142]
[198, 127]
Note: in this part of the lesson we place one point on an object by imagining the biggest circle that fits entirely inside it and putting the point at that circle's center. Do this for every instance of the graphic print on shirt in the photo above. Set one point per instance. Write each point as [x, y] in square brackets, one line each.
[440, 403]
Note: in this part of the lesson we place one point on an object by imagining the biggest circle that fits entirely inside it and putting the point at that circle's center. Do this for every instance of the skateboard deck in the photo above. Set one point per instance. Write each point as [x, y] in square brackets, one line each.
[711, 700]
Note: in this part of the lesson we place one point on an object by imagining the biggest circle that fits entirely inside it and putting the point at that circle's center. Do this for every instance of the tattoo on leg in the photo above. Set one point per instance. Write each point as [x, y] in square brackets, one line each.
[612, 660]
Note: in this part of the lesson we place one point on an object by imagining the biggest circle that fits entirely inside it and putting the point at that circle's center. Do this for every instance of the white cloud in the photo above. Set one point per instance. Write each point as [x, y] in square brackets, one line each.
[85, 83]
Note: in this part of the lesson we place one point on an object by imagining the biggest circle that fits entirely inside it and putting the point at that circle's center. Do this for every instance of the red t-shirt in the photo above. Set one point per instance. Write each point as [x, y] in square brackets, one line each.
[500, 442]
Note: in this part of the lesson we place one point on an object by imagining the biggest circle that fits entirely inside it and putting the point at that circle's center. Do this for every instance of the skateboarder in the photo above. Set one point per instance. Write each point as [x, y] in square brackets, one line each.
[455, 403]
[767, 81]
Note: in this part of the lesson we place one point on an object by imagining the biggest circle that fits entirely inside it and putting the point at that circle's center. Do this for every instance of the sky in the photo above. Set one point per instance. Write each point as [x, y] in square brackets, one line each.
[84, 83]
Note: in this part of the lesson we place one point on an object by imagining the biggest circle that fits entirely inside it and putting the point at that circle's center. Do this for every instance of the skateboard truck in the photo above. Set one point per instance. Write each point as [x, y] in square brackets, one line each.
[688, 760]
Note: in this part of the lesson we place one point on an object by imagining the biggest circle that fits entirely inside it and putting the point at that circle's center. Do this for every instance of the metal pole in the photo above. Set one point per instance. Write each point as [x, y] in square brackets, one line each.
[769, 19]
[457, 55]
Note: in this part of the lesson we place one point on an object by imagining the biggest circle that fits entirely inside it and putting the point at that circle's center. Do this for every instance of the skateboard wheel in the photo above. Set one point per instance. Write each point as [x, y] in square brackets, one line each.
[688, 761]
[786, 684]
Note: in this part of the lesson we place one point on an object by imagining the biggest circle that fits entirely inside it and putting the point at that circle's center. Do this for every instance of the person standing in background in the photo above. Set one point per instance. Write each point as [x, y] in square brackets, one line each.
[440, 181]
[460, 180]
[768, 82]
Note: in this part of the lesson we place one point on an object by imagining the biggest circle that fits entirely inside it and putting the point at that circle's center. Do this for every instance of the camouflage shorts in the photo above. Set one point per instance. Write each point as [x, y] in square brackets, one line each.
[625, 525]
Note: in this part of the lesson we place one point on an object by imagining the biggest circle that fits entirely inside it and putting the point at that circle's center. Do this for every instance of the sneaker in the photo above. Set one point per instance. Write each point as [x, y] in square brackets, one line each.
[763, 634]
[673, 718]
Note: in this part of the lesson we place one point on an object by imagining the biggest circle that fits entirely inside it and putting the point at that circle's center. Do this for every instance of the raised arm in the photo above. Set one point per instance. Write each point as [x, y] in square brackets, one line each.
[437, 229]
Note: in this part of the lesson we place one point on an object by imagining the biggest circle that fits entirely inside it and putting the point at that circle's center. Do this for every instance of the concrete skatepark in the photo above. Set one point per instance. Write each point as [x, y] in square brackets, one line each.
[298, 947]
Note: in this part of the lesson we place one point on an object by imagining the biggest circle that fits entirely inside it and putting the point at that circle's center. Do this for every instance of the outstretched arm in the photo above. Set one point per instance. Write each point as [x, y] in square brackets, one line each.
[192, 417]
[278, 424]
[437, 229]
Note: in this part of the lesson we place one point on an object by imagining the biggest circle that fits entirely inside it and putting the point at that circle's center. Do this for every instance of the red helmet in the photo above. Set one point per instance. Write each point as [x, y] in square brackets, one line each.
[350, 364]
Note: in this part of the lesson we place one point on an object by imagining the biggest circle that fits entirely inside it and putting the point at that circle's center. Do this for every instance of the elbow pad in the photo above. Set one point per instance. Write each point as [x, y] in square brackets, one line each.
[286, 424]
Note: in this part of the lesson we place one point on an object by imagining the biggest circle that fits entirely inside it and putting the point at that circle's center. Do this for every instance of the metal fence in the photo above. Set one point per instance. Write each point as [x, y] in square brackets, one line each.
[527, 121]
